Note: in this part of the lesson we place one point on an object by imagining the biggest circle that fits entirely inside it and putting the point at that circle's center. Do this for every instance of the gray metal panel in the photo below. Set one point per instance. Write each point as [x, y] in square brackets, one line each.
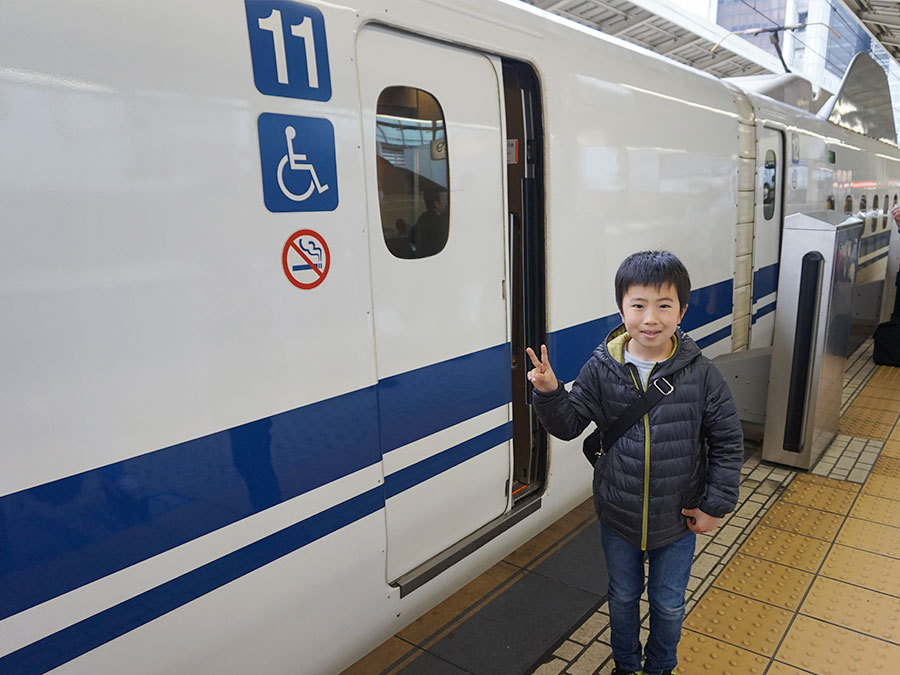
[836, 238]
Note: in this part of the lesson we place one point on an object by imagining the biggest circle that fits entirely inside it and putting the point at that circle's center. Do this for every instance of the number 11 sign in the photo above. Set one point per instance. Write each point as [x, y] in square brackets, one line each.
[288, 48]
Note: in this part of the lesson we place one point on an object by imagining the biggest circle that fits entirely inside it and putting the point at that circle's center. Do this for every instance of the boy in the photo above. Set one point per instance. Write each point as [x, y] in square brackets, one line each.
[669, 476]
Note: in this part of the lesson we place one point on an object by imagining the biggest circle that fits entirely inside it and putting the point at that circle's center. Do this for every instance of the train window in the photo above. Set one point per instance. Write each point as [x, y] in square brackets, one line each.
[413, 176]
[848, 204]
[885, 218]
[862, 212]
[770, 169]
[874, 212]
[829, 203]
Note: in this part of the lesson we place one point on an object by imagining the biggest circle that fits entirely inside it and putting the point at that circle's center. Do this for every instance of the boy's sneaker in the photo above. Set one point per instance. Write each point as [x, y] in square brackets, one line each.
[618, 671]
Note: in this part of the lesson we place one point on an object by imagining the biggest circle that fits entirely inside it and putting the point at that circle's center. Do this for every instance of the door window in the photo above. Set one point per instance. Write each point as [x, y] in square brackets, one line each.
[413, 179]
[769, 175]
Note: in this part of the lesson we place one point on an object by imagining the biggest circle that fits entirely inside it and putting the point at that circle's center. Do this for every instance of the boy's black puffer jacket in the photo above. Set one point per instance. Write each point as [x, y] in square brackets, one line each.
[695, 451]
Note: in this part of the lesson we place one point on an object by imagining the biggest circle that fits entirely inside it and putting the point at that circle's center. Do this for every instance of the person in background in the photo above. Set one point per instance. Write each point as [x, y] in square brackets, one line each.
[429, 235]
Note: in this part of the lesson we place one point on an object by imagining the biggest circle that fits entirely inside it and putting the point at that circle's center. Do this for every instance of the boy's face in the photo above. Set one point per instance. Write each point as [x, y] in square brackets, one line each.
[651, 316]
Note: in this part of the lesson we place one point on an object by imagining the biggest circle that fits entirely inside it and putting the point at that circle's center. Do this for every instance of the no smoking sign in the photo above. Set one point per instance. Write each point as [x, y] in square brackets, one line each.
[306, 259]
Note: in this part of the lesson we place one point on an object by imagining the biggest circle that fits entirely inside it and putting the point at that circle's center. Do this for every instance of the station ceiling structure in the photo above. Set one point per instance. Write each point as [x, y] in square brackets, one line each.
[670, 31]
[689, 39]
[882, 18]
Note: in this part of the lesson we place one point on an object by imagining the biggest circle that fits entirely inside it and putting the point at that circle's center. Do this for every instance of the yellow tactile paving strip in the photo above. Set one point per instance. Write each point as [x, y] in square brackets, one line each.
[825, 649]
[882, 486]
[740, 621]
[700, 654]
[765, 581]
[805, 520]
[868, 536]
[816, 495]
[891, 448]
[778, 668]
[815, 587]
[886, 377]
[878, 389]
[787, 548]
[863, 421]
[887, 466]
[807, 479]
[877, 509]
[861, 568]
[859, 609]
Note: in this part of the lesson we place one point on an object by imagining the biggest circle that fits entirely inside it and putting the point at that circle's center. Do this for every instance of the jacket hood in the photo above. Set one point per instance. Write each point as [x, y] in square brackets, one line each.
[612, 352]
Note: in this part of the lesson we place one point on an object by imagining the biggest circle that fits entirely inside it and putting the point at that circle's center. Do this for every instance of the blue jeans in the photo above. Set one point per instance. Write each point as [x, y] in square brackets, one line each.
[670, 569]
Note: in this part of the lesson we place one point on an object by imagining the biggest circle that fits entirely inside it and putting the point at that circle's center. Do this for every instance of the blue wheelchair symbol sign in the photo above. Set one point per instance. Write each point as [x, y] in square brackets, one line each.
[299, 169]
[288, 49]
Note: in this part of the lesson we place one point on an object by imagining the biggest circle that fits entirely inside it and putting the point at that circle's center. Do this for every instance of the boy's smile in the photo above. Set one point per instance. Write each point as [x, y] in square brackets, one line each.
[651, 316]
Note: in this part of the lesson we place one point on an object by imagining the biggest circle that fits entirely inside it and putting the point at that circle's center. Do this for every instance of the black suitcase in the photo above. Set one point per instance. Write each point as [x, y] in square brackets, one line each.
[887, 343]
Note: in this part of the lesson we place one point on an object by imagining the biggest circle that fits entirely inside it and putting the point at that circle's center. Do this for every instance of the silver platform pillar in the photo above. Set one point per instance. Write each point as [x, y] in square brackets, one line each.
[816, 277]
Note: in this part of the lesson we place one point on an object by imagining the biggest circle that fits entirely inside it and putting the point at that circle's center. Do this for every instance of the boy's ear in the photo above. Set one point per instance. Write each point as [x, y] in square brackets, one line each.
[683, 310]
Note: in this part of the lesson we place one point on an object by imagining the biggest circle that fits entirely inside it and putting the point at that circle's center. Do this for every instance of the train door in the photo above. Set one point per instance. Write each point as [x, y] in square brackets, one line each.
[767, 240]
[526, 268]
[432, 118]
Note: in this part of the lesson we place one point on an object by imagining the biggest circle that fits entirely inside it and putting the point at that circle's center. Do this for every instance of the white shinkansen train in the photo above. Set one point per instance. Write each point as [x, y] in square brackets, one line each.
[268, 272]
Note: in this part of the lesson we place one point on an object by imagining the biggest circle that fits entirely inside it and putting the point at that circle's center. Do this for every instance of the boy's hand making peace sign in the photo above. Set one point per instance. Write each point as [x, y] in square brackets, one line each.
[542, 376]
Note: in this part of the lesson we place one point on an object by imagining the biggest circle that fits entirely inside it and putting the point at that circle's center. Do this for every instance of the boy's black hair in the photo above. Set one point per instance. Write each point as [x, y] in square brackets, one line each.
[653, 268]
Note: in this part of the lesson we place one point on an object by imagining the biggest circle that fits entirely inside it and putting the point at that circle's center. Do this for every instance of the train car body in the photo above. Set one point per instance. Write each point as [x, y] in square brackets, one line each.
[259, 411]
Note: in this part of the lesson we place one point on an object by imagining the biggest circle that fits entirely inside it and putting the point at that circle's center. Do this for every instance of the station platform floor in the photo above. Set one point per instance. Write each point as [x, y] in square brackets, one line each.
[802, 577]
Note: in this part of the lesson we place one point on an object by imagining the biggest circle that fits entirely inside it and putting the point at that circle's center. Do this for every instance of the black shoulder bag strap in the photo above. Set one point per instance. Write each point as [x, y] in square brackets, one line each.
[599, 442]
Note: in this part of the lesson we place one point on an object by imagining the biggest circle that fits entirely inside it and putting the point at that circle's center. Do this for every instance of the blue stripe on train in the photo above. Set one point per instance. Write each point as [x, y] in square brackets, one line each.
[419, 472]
[873, 243]
[80, 638]
[68, 533]
[419, 403]
[765, 282]
[762, 311]
[874, 259]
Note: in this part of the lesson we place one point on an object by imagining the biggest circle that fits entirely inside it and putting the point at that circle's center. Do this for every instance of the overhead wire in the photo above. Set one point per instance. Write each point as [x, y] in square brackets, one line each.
[762, 14]
[893, 71]
[794, 33]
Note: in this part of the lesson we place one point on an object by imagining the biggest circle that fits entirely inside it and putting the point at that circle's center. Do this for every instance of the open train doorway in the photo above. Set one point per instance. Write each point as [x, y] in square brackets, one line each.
[527, 283]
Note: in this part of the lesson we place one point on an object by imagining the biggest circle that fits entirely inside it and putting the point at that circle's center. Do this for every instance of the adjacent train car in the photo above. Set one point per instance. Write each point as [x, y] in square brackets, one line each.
[268, 275]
